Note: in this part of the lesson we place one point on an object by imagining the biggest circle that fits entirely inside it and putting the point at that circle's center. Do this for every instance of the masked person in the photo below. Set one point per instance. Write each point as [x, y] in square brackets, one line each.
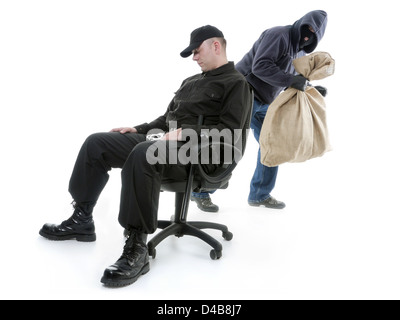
[220, 92]
[268, 68]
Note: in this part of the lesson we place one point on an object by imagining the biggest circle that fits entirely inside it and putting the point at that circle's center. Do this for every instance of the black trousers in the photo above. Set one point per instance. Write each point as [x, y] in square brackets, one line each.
[141, 180]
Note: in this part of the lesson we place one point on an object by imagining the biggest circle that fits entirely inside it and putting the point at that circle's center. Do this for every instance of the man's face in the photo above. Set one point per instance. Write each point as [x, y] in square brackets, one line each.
[205, 56]
[307, 36]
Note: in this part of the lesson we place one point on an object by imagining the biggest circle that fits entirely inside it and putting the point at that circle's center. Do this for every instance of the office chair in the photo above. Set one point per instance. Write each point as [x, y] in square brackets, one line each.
[199, 180]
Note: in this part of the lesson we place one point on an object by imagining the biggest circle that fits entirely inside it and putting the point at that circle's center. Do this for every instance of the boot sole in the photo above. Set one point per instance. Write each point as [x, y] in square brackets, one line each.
[125, 282]
[267, 206]
[207, 210]
[203, 208]
[77, 237]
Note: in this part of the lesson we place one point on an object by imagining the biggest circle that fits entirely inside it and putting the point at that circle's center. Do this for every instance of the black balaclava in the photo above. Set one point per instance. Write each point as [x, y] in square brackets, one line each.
[306, 32]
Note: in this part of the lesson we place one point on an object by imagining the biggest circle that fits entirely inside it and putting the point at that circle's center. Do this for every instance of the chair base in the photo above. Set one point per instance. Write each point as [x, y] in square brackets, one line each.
[180, 229]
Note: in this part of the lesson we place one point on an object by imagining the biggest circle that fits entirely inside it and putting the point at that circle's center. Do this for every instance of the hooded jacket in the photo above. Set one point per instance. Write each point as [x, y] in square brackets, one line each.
[268, 65]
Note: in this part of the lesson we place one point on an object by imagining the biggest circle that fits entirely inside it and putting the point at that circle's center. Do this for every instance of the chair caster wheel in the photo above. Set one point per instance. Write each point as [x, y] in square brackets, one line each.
[153, 253]
[215, 255]
[152, 250]
[228, 236]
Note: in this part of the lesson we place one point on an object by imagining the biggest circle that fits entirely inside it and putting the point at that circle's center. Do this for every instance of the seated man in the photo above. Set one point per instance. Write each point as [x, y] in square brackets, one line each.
[220, 93]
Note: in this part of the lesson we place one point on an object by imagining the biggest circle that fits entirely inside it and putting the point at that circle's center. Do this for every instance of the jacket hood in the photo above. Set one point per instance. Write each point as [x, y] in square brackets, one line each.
[318, 20]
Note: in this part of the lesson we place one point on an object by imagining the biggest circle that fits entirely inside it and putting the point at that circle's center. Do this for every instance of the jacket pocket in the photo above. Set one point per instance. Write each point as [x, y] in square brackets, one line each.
[213, 95]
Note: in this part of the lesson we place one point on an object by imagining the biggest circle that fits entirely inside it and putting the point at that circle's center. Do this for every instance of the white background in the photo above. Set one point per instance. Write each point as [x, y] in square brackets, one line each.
[72, 68]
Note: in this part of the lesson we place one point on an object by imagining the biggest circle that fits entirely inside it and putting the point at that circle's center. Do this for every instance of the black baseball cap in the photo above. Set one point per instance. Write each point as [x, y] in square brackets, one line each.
[200, 35]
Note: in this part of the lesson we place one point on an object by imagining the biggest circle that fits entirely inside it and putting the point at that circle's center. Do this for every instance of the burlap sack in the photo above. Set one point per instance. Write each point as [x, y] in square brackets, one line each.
[295, 127]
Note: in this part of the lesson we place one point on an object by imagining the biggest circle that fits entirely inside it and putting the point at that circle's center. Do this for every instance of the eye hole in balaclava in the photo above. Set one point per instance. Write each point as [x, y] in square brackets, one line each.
[306, 33]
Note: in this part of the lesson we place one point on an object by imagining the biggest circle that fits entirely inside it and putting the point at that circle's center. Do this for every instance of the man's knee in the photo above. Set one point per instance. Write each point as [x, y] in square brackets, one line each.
[93, 144]
[97, 138]
[140, 152]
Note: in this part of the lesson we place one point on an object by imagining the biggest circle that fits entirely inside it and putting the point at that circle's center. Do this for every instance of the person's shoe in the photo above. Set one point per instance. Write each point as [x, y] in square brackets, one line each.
[79, 227]
[271, 203]
[205, 204]
[133, 263]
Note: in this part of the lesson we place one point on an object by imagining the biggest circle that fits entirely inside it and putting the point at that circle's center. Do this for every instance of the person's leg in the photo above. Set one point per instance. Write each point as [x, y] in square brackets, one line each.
[264, 178]
[141, 184]
[204, 202]
[99, 153]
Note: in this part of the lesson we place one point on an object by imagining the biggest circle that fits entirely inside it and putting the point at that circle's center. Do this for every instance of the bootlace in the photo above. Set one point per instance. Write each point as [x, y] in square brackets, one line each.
[74, 219]
[133, 248]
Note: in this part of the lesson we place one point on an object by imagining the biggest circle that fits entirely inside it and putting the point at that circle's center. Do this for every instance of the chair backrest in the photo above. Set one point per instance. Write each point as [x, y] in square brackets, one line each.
[219, 179]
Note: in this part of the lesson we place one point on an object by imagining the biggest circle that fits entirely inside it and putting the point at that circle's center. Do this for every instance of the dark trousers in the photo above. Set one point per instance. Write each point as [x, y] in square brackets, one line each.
[141, 181]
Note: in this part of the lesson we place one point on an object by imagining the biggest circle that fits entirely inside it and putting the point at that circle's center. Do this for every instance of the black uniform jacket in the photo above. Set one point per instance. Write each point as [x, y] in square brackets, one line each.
[221, 95]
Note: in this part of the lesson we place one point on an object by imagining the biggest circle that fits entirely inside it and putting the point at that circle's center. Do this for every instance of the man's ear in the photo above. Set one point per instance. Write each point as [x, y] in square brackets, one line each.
[217, 47]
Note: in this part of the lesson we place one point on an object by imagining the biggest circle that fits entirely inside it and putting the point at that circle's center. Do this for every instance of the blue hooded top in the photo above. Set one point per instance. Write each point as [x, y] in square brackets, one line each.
[268, 65]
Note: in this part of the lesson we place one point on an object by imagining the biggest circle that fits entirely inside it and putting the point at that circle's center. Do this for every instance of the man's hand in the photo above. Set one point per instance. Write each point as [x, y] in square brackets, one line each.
[299, 82]
[124, 130]
[173, 135]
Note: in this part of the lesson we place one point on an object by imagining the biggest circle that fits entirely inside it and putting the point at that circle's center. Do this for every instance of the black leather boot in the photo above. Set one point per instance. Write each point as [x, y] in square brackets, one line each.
[80, 226]
[133, 263]
[205, 204]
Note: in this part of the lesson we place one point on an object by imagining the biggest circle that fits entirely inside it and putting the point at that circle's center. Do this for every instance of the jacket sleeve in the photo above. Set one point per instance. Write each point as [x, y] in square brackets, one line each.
[272, 47]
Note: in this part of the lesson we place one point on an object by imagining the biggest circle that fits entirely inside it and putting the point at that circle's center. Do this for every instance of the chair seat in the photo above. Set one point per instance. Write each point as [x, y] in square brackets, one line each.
[180, 186]
[177, 186]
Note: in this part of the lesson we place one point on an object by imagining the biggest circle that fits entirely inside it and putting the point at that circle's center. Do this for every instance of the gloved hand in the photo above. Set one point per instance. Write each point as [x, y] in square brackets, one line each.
[299, 83]
[322, 90]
